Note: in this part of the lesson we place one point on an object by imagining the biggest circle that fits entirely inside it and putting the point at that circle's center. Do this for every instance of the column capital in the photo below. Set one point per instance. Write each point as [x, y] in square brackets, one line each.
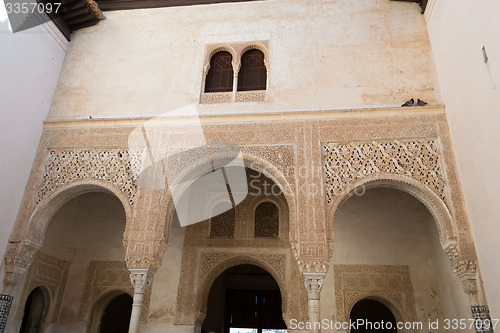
[18, 258]
[314, 282]
[141, 278]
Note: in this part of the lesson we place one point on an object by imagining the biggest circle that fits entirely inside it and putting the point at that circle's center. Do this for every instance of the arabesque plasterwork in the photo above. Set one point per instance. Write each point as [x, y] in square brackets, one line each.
[327, 154]
[50, 273]
[388, 284]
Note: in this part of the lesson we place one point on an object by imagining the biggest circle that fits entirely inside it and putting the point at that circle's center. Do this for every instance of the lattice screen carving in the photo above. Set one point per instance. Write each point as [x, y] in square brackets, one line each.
[114, 166]
[266, 220]
[419, 159]
[222, 225]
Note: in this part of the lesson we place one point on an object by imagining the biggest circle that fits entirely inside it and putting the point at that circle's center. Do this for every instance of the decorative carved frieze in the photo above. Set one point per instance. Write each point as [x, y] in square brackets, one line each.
[145, 254]
[18, 258]
[252, 96]
[313, 266]
[114, 166]
[419, 159]
[218, 97]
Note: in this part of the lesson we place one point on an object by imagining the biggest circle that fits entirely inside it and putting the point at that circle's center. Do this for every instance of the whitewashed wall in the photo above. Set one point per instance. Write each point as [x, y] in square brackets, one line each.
[458, 30]
[30, 63]
[323, 54]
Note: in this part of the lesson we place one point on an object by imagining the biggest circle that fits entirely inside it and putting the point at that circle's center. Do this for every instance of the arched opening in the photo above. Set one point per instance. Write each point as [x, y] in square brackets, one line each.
[244, 299]
[391, 241]
[376, 317]
[253, 73]
[220, 75]
[86, 232]
[116, 315]
[35, 311]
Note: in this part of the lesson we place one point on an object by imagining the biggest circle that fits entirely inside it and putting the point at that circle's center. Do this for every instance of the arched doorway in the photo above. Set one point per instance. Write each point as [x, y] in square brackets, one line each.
[391, 239]
[376, 316]
[35, 311]
[116, 315]
[244, 299]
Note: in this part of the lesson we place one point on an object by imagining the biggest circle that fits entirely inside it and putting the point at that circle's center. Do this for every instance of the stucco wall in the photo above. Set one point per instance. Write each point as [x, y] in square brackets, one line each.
[30, 62]
[322, 54]
[458, 30]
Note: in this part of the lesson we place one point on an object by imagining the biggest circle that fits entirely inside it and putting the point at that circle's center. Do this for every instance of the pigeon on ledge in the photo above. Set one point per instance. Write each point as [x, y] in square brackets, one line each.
[409, 103]
[420, 102]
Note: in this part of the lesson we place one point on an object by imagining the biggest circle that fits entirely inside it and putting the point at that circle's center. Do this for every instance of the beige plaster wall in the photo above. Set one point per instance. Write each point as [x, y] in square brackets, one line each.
[30, 62]
[323, 54]
[458, 30]
[389, 227]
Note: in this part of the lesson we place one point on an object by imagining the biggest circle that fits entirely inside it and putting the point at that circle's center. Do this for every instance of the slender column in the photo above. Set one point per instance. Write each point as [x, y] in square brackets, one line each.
[314, 282]
[236, 71]
[206, 68]
[141, 278]
[235, 86]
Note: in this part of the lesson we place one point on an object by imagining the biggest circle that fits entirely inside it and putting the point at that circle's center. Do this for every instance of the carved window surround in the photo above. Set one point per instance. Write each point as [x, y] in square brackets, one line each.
[51, 274]
[237, 50]
[386, 283]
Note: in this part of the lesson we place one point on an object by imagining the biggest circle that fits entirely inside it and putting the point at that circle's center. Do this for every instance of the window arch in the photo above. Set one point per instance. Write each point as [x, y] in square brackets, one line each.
[267, 218]
[253, 73]
[220, 75]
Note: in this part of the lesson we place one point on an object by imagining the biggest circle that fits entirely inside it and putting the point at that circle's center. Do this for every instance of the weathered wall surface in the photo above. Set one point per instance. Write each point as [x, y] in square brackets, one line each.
[322, 55]
[30, 62]
[470, 88]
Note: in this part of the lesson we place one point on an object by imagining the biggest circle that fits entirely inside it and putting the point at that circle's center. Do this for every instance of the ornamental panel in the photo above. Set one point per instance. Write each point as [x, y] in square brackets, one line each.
[420, 159]
[114, 166]
[390, 283]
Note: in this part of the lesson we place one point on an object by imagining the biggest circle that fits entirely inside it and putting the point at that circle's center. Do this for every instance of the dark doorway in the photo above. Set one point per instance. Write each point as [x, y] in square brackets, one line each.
[376, 313]
[244, 298]
[34, 312]
[116, 316]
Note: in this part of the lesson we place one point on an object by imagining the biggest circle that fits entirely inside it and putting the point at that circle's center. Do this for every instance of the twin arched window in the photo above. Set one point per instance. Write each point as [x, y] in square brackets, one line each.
[252, 74]
[220, 74]
[266, 221]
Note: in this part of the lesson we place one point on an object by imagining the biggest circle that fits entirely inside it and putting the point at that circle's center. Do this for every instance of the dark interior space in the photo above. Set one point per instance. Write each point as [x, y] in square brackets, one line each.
[244, 296]
[116, 316]
[374, 312]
